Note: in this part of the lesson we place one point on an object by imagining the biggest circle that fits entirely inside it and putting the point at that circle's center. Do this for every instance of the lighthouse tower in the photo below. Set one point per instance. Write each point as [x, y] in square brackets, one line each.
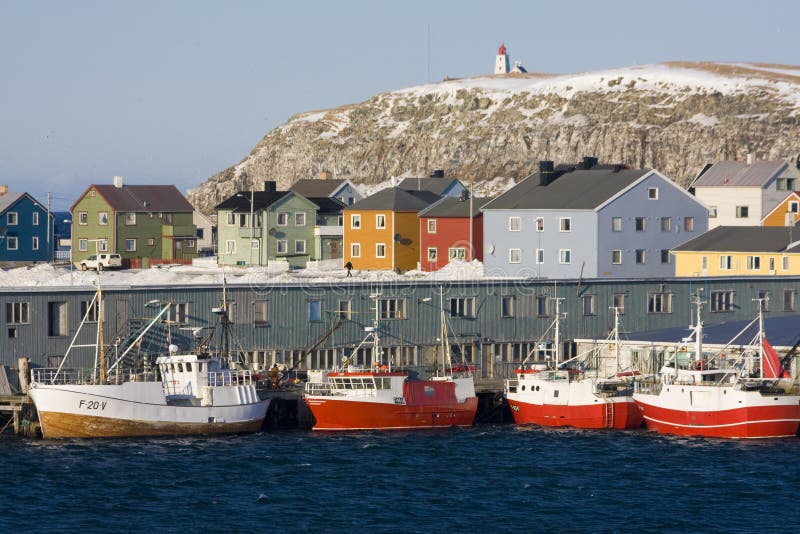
[501, 63]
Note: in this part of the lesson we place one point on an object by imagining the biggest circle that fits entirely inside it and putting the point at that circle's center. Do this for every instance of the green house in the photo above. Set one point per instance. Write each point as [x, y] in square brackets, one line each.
[145, 224]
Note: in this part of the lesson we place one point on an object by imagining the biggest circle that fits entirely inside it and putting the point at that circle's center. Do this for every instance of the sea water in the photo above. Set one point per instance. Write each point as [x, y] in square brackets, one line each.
[501, 478]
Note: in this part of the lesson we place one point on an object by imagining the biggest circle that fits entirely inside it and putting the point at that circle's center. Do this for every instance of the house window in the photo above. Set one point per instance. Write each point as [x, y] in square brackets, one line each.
[457, 253]
[130, 245]
[721, 301]
[540, 224]
[230, 246]
[659, 303]
[178, 313]
[253, 244]
[640, 224]
[380, 221]
[742, 212]
[36, 218]
[283, 218]
[785, 184]
[89, 311]
[588, 304]
[35, 243]
[616, 224]
[432, 253]
[794, 206]
[431, 226]
[17, 312]
[712, 212]
[640, 256]
[130, 219]
[92, 193]
[703, 263]
[300, 219]
[542, 306]
[726, 263]
[565, 224]
[102, 245]
[540, 256]
[344, 310]
[283, 246]
[102, 218]
[565, 256]
[12, 242]
[151, 241]
[763, 298]
[462, 307]
[652, 193]
[514, 224]
[785, 263]
[13, 218]
[244, 220]
[260, 308]
[664, 256]
[355, 250]
[300, 246]
[355, 221]
[507, 306]
[688, 224]
[788, 300]
[83, 218]
[666, 223]
[514, 255]
[314, 310]
[231, 219]
[753, 263]
[616, 257]
[392, 308]
[380, 250]
[619, 302]
[83, 245]
[57, 319]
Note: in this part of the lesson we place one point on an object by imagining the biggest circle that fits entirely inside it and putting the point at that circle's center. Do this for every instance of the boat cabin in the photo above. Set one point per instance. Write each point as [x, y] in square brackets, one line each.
[185, 375]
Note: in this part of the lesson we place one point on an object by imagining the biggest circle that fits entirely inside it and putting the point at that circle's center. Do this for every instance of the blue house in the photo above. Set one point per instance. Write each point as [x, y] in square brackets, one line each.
[25, 235]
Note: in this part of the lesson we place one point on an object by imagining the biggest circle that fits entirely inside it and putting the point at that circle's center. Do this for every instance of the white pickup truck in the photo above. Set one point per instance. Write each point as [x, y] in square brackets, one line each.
[101, 261]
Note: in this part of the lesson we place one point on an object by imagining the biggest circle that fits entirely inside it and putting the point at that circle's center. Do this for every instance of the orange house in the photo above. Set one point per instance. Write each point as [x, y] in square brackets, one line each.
[381, 232]
[786, 213]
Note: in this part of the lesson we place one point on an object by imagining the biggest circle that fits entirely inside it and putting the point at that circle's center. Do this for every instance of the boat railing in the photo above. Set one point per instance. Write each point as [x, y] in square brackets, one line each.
[230, 378]
[52, 375]
[317, 389]
[175, 388]
[648, 388]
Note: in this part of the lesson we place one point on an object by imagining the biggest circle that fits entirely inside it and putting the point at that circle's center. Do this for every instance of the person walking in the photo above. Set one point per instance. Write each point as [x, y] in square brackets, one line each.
[349, 267]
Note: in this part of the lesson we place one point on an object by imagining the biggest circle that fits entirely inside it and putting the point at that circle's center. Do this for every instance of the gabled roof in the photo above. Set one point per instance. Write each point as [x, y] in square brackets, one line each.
[740, 174]
[795, 194]
[147, 198]
[453, 207]
[317, 187]
[396, 199]
[240, 201]
[745, 239]
[327, 205]
[434, 185]
[9, 199]
[576, 189]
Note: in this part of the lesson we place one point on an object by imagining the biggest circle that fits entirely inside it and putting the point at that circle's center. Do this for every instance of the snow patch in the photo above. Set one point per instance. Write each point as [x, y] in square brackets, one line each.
[702, 119]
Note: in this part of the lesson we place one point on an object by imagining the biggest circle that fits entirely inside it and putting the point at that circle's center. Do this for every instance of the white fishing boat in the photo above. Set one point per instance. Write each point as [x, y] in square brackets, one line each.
[185, 394]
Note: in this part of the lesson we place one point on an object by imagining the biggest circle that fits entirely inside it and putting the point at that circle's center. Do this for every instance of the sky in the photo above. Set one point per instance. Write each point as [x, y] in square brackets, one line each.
[175, 91]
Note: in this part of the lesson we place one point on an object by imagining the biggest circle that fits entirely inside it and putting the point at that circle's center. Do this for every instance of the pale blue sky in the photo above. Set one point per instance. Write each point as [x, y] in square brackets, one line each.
[174, 91]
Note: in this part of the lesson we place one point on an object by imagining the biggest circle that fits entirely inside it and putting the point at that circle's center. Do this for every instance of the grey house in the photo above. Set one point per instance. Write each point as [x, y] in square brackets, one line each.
[342, 190]
[436, 183]
[589, 221]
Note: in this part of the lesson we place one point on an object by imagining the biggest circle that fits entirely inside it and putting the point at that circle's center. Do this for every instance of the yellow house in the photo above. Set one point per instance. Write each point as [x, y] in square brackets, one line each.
[786, 213]
[740, 251]
[381, 232]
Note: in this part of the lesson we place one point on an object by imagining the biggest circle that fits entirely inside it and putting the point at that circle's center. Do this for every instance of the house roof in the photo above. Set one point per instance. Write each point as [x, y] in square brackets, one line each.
[149, 198]
[7, 200]
[745, 239]
[782, 331]
[434, 185]
[240, 201]
[396, 199]
[327, 205]
[740, 174]
[316, 187]
[578, 189]
[453, 207]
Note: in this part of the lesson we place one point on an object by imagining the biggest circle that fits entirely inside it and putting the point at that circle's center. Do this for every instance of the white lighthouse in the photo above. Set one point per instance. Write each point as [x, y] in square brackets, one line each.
[501, 63]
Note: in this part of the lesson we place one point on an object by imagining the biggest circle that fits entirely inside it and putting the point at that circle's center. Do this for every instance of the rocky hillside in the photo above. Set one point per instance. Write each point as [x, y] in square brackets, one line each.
[674, 116]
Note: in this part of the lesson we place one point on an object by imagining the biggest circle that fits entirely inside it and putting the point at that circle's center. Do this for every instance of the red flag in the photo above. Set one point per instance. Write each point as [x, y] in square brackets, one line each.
[771, 362]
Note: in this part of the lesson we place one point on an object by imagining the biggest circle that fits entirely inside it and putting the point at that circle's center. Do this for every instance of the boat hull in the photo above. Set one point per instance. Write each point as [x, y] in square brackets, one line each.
[343, 414]
[136, 410]
[751, 416]
[614, 413]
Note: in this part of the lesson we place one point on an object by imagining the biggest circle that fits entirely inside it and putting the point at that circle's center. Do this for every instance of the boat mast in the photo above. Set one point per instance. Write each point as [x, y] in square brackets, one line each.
[100, 355]
[760, 337]
[557, 334]
[698, 333]
[616, 338]
[443, 333]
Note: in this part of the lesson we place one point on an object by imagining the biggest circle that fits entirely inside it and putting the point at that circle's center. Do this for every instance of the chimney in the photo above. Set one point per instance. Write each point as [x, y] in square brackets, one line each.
[270, 186]
[118, 181]
[3, 190]
[437, 173]
[589, 162]
[749, 158]
[325, 175]
[545, 172]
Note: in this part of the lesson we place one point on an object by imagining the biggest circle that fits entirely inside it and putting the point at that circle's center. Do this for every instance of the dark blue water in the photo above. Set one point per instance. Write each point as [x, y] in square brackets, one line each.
[503, 478]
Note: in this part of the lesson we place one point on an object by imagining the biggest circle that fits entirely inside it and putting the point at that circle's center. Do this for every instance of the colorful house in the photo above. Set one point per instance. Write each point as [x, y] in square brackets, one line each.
[328, 232]
[145, 224]
[381, 232]
[786, 213]
[742, 193]
[25, 235]
[740, 251]
[445, 232]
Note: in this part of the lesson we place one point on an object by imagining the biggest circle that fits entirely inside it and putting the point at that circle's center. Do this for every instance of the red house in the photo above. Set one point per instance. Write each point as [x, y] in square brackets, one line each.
[445, 232]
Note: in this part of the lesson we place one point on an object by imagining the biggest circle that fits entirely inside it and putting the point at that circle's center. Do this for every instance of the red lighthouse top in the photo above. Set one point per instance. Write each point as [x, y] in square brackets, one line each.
[502, 50]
